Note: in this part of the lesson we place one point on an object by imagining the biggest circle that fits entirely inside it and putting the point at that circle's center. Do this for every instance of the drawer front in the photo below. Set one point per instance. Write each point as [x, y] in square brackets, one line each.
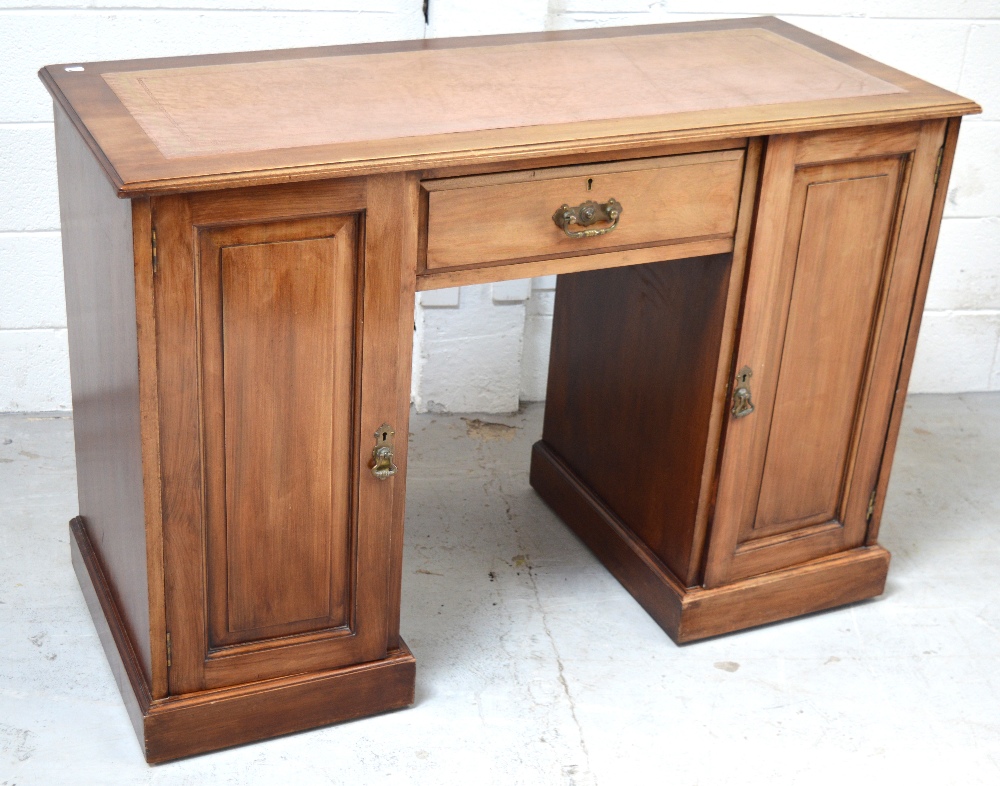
[501, 218]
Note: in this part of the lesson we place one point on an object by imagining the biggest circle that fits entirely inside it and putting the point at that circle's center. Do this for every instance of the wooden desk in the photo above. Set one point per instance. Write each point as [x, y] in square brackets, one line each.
[746, 215]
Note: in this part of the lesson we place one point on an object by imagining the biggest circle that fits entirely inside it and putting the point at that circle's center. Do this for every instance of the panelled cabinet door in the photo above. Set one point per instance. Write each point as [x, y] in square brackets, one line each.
[833, 269]
[272, 559]
[277, 316]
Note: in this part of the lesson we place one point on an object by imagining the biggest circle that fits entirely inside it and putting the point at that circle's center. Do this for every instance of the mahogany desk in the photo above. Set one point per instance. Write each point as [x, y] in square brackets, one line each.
[745, 215]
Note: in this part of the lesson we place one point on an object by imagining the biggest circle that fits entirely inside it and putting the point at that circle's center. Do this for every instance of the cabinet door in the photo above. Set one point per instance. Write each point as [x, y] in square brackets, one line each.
[277, 537]
[831, 279]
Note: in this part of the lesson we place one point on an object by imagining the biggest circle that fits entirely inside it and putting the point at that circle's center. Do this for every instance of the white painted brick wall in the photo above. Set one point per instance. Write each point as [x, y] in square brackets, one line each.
[537, 335]
[467, 357]
[486, 348]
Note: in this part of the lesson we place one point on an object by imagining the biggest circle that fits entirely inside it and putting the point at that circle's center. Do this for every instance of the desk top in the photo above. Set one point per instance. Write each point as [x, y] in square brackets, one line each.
[202, 122]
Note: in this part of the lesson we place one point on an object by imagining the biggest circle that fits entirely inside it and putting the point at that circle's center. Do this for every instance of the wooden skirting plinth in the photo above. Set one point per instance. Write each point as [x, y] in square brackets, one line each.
[194, 723]
[692, 613]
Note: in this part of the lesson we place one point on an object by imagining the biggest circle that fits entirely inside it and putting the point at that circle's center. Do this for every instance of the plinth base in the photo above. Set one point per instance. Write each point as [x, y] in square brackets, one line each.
[692, 613]
[178, 726]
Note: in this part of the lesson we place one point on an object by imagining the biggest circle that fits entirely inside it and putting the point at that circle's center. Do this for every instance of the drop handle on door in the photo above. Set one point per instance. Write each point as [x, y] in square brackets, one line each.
[590, 212]
[742, 405]
[382, 466]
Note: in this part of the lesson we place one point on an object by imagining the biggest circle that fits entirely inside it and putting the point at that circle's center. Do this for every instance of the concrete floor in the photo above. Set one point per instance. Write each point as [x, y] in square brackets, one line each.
[536, 667]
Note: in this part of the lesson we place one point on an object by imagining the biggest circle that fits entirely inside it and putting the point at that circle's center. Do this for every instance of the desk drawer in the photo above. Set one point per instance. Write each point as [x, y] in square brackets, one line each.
[475, 221]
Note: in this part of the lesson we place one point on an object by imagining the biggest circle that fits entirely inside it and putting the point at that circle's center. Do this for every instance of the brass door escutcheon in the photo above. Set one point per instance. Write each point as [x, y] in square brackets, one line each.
[590, 212]
[742, 405]
[382, 466]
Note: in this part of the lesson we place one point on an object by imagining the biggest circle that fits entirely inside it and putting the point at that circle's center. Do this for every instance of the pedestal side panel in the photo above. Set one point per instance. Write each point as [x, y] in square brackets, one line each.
[630, 392]
[104, 365]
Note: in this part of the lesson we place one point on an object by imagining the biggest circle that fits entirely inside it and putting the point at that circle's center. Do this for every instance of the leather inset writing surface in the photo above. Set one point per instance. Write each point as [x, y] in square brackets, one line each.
[247, 107]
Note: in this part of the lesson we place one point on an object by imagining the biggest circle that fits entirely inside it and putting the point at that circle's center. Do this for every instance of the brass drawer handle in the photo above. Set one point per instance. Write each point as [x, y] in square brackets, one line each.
[590, 212]
[382, 466]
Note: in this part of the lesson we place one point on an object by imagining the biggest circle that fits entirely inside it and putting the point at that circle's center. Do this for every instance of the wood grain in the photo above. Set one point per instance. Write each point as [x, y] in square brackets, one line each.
[390, 268]
[174, 297]
[136, 166]
[213, 538]
[916, 315]
[600, 260]
[211, 720]
[822, 436]
[691, 613]
[508, 217]
[281, 318]
[597, 157]
[630, 391]
[104, 366]
[227, 389]
[638, 381]
[817, 585]
[724, 370]
[915, 226]
[278, 309]
[111, 626]
[149, 424]
[405, 209]
[839, 272]
[175, 727]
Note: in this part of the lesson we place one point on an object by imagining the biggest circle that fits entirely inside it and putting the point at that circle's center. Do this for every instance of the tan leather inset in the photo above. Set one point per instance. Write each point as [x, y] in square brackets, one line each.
[246, 107]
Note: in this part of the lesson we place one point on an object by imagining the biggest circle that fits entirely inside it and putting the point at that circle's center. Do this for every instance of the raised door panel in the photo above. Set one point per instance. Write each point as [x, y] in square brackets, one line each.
[840, 271]
[832, 275]
[278, 313]
[276, 359]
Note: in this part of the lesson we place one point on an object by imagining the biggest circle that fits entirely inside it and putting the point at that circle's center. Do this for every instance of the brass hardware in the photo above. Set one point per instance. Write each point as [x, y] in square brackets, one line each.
[937, 169]
[382, 466]
[871, 506]
[590, 212]
[742, 405]
[153, 237]
[169, 652]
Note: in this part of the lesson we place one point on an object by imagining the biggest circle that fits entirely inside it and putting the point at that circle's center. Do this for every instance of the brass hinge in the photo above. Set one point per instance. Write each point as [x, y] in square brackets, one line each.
[937, 170]
[871, 506]
[169, 652]
[154, 249]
